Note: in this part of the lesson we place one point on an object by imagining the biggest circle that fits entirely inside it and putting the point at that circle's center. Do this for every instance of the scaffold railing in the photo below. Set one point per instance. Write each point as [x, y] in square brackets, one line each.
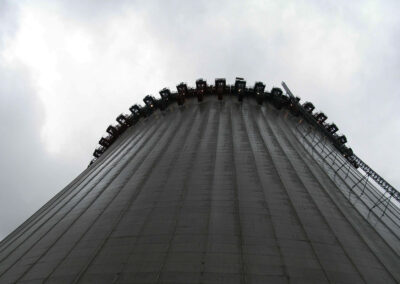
[350, 156]
[351, 181]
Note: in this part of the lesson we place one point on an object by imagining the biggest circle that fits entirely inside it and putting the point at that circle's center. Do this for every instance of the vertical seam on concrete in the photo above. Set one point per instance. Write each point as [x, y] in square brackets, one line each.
[143, 225]
[237, 202]
[265, 199]
[348, 187]
[83, 211]
[77, 202]
[184, 190]
[344, 216]
[56, 198]
[143, 139]
[67, 192]
[291, 203]
[312, 199]
[211, 187]
[133, 197]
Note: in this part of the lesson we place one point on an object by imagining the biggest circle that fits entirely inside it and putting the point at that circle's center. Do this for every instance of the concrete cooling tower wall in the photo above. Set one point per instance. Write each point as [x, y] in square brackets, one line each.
[212, 190]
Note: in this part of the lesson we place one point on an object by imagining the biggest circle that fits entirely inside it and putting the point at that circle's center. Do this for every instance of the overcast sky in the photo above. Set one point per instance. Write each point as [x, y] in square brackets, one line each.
[68, 68]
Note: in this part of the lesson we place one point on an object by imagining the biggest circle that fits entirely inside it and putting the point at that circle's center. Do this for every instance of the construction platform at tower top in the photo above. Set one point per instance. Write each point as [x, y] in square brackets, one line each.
[218, 190]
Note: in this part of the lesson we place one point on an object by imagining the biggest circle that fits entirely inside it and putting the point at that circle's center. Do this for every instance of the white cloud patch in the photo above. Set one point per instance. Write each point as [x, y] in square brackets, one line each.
[82, 77]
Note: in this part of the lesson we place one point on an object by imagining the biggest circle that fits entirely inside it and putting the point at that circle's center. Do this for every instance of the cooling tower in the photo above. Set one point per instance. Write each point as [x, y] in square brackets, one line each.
[215, 184]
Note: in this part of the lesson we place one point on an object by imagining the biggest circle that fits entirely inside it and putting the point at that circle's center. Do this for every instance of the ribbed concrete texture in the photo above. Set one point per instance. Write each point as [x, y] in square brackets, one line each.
[214, 192]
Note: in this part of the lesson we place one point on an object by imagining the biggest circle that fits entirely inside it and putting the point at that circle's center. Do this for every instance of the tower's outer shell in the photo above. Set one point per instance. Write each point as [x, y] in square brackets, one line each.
[210, 192]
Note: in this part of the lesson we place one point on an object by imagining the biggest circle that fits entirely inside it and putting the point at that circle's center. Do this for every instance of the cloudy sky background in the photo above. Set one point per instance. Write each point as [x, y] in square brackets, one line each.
[68, 68]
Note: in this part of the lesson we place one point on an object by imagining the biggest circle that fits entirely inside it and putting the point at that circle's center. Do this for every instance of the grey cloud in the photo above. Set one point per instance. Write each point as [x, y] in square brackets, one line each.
[8, 20]
[259, 40]
[29, 175]
[203, 39]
